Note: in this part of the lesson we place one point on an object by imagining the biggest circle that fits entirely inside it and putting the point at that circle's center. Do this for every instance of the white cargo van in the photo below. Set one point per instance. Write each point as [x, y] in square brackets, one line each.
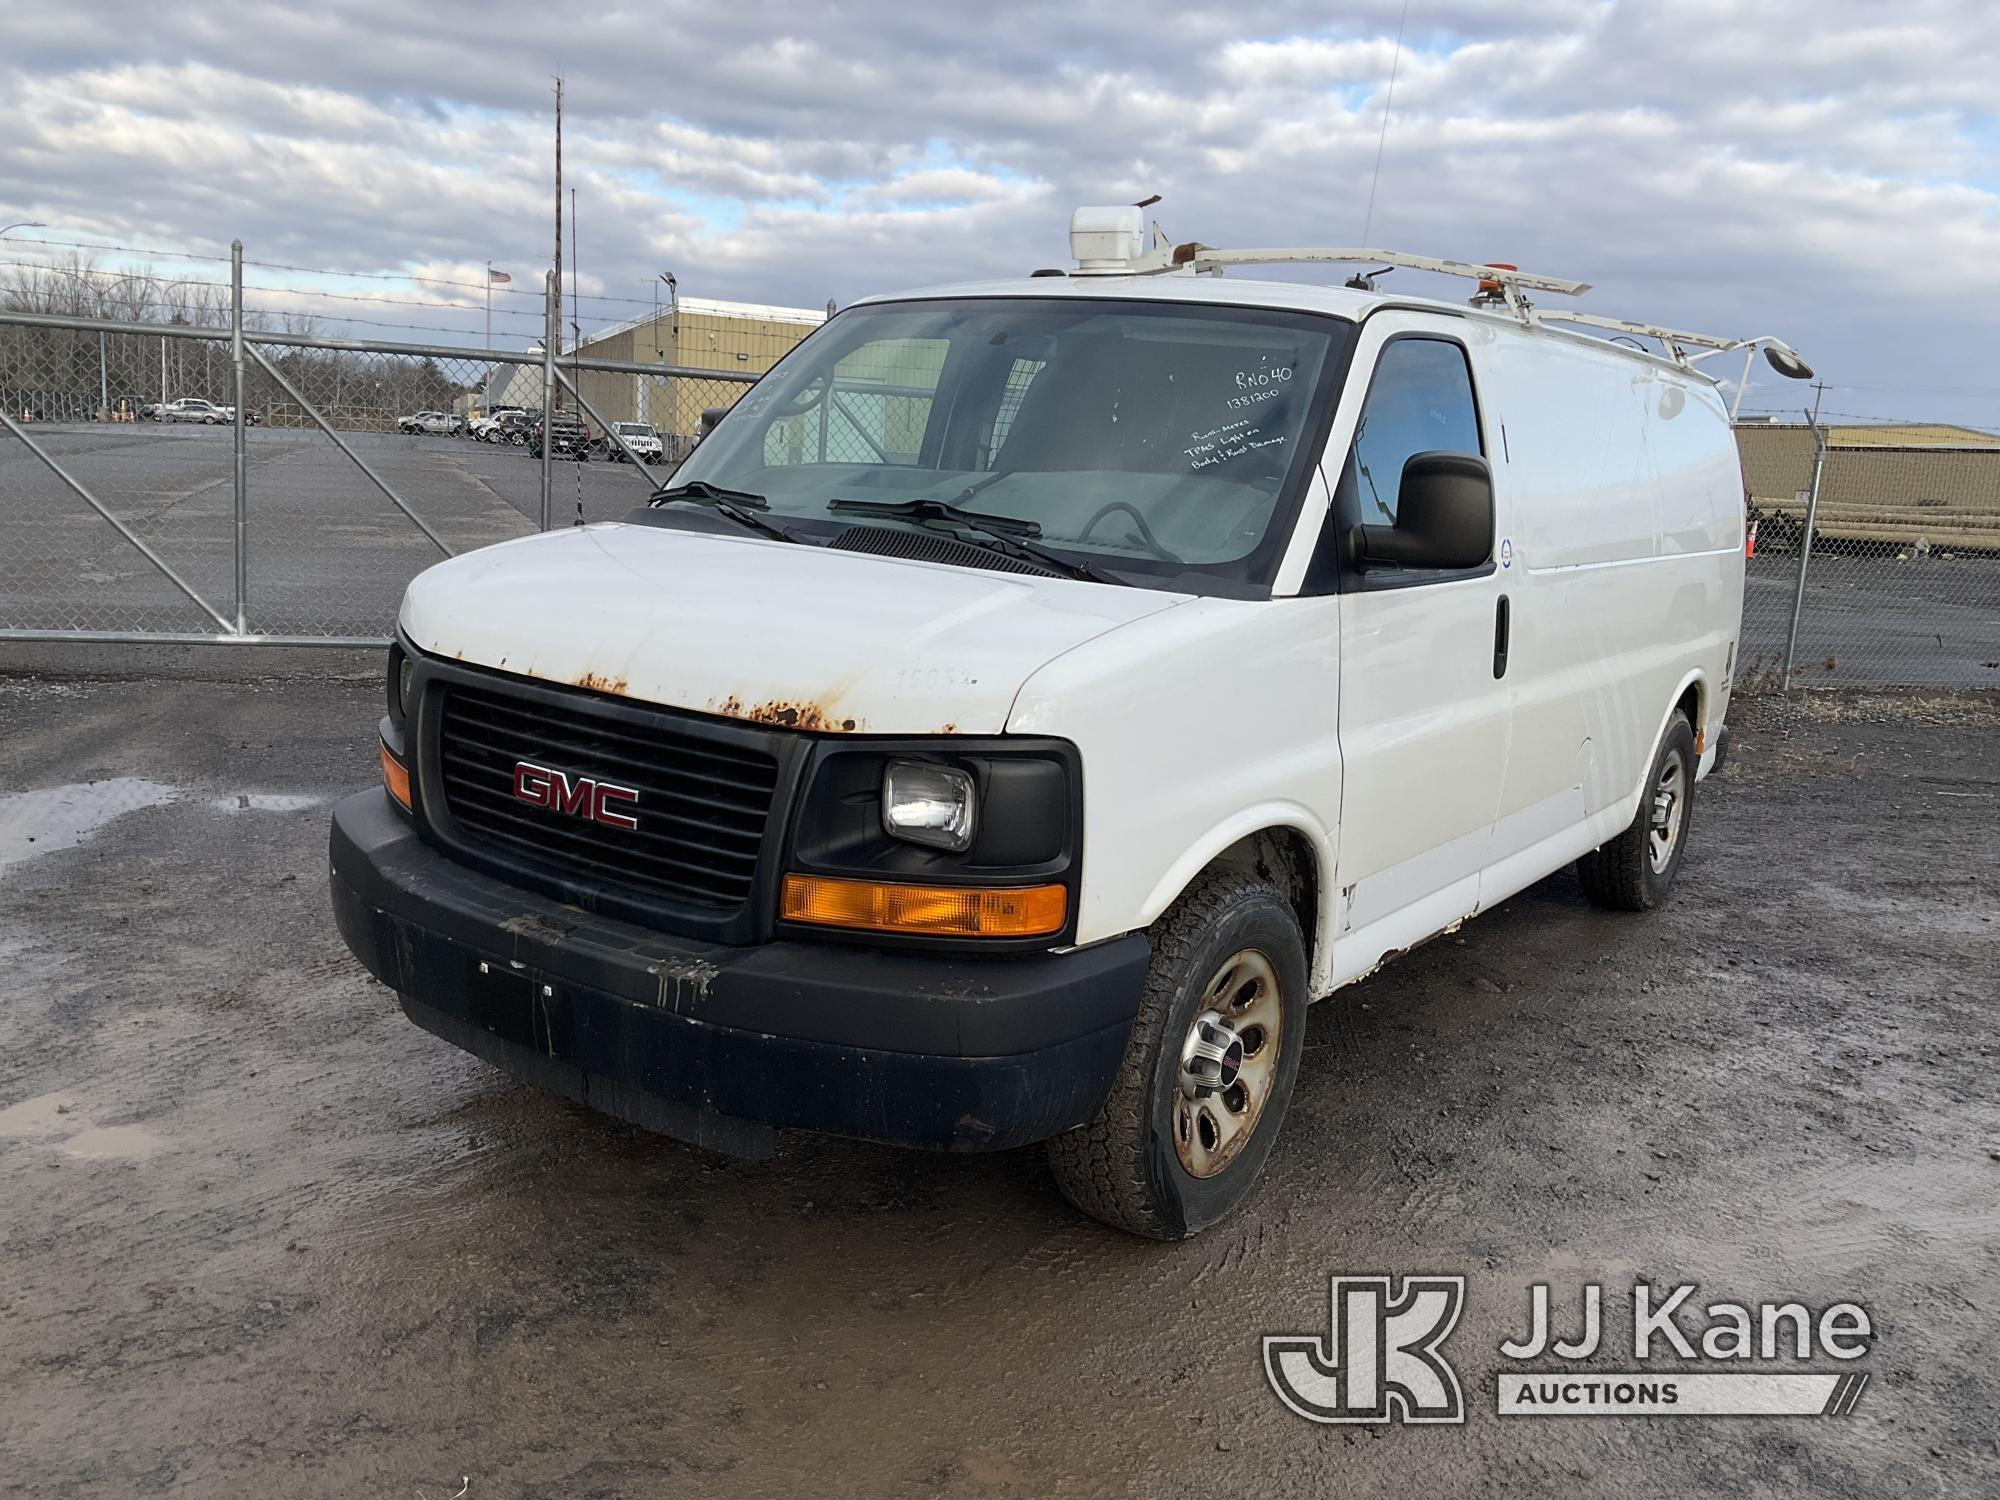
[1033, 694]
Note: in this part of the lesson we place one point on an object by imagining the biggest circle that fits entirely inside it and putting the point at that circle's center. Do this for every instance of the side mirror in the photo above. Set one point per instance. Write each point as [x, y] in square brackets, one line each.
[709, 417]
[1444, 516]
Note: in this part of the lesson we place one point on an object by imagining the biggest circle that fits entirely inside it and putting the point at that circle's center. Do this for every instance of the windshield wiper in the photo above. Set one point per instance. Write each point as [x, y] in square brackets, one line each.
[701, 489]
[1003, 534]
[738, 505]
[938, 510]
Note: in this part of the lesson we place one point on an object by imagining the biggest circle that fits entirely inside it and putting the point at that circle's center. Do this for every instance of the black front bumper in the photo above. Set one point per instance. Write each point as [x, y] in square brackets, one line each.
[721, 1045]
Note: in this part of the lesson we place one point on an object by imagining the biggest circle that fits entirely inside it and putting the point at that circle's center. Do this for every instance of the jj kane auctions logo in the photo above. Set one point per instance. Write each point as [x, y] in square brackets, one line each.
[1382, 1358]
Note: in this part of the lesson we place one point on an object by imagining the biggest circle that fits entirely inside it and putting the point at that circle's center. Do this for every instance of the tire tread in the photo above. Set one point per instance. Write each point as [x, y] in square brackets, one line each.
[1614, 876]
[1101, 1166]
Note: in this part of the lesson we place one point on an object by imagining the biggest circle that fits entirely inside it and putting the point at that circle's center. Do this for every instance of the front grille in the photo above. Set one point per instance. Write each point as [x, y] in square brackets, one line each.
[702, 805]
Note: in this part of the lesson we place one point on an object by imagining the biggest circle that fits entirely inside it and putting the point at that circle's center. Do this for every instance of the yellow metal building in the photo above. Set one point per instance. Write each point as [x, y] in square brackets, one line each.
[1890, 483]
[734, 338]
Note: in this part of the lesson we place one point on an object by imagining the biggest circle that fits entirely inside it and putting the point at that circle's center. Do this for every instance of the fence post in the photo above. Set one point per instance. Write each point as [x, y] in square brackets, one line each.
[242, 467]
[551, 331]
[1805, 548]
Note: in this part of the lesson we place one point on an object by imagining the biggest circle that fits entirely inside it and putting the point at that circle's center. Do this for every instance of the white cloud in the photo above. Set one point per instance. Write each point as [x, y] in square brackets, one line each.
[1827, 170]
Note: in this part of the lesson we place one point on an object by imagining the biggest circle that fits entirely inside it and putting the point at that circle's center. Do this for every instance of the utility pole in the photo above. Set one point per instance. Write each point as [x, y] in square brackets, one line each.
[1819, 389]
[555, 325]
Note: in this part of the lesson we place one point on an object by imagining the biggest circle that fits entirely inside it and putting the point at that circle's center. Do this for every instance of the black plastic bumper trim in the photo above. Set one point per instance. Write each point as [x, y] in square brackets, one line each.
[922, 1049]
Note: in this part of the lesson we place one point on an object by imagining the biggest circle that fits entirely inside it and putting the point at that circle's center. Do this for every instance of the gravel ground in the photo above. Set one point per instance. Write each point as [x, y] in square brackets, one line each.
[259, 1235]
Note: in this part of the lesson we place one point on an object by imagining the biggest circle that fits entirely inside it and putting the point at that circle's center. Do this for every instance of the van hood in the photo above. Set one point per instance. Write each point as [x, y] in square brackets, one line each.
[769, 631]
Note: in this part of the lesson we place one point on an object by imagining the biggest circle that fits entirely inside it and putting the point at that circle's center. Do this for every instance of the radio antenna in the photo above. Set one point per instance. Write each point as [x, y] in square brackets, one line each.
[1388, 103]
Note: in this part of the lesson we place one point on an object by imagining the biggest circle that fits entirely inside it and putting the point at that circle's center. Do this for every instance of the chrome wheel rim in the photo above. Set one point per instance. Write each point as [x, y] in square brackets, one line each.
[1229, 1063]
[1669, 807]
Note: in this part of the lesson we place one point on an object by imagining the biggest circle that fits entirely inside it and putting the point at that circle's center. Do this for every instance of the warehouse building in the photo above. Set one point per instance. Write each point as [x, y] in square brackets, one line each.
[1901, 484]
[732, 338]
[693, 333]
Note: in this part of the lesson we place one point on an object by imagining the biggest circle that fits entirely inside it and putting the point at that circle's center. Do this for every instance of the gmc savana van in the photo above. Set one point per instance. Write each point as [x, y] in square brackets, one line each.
[1032, 695]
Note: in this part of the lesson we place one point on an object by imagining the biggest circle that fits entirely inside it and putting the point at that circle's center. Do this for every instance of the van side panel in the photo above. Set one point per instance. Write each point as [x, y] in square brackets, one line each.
[1626, 582]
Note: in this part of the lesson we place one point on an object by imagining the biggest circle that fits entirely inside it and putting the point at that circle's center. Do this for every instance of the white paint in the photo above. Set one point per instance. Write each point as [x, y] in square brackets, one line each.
[719, 624]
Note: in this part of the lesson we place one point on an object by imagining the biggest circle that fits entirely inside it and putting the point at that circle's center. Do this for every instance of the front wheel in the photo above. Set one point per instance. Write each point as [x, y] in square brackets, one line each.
[1208, 1072]
[1635, 871]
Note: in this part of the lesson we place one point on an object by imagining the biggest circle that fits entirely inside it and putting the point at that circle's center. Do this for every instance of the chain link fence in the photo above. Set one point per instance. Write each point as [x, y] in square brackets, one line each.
[1877, 560]
[136, 504]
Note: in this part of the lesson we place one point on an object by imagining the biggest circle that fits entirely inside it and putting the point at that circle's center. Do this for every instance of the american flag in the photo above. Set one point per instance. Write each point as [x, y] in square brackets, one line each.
[497, 278]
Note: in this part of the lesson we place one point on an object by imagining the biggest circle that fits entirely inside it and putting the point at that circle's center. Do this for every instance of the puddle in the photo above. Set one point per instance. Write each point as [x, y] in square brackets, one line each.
[279, 802]
[112, 1143]
[61, 1119]
[62, 817]
[46, 1114]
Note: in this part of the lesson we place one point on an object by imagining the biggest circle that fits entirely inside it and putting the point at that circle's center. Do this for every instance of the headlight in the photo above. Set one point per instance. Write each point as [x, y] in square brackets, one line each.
[402, 677]
[929, 804]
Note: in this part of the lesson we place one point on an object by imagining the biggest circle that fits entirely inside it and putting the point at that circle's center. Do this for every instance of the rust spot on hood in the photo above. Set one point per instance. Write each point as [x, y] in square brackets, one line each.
[809, 716]
[597, 682]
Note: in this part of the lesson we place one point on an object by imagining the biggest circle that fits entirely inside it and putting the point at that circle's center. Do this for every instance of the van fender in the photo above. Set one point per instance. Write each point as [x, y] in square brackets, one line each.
[1233, 830]
[1629, 808]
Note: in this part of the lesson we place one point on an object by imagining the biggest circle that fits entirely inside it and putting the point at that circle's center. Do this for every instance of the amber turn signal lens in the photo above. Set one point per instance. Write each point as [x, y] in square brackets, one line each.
[936, 910]
[395, 776]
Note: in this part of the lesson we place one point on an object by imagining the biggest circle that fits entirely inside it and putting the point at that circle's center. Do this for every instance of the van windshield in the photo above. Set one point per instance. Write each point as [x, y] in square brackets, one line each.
[1161, 444]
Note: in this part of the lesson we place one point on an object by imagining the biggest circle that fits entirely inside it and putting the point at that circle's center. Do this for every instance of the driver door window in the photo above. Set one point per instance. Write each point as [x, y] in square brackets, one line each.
[1420, 401]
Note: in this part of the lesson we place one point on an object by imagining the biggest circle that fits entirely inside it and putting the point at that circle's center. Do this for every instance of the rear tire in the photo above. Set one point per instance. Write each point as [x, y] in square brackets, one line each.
[1635, 871]
[1197, 1104]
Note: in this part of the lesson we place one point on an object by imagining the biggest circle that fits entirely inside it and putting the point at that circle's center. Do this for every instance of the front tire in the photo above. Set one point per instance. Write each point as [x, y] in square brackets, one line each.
[1635, 871]
[1208, 1073]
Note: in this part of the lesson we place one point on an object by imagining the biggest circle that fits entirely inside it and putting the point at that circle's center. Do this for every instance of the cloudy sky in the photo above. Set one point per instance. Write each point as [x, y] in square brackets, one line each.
[1829, 171]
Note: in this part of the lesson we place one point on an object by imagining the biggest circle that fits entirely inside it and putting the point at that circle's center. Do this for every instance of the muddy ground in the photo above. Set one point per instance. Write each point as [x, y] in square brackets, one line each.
[261, 1236]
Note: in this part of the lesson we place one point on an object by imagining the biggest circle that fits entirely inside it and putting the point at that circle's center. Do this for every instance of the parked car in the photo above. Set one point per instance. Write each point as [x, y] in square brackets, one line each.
[567, 436]
[820, 794]
[487, 423]
[640, 438]
[194, 409]
[435, 423]
[516, 428]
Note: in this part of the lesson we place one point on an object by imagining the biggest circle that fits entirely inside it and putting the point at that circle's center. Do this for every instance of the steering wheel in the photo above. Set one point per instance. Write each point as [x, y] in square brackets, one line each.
[1151, 542]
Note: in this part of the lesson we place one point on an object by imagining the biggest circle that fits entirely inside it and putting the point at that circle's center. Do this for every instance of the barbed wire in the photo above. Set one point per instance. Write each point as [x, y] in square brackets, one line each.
[1796, 416]
[273, 265]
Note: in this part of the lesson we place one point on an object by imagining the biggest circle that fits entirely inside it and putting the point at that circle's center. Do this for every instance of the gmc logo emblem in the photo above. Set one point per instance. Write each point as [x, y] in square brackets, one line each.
[579, 796]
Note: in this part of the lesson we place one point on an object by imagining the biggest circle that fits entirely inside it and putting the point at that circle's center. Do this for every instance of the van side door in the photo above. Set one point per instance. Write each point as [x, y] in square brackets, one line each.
[1424, 712]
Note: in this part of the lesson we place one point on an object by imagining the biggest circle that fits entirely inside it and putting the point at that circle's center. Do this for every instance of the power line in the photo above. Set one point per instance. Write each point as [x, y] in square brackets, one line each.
[272, 265]
[331, 315]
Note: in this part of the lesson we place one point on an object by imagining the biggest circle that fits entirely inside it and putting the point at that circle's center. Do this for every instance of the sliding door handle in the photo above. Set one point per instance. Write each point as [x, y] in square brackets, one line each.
[1502, 623]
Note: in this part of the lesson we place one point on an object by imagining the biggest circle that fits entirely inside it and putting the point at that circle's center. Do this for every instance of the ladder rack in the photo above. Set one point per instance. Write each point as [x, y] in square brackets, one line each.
[1112, 241]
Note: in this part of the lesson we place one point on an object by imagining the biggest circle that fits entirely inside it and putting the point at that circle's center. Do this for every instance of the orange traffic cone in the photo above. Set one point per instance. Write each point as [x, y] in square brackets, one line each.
[1750, 541]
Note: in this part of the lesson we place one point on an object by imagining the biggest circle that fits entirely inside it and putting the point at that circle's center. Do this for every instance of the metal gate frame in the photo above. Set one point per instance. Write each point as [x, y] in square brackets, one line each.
[233, 625]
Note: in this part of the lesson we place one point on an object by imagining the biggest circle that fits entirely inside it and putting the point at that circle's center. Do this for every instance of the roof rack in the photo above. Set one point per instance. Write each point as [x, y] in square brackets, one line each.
[1495, 281]
[1111, 241]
